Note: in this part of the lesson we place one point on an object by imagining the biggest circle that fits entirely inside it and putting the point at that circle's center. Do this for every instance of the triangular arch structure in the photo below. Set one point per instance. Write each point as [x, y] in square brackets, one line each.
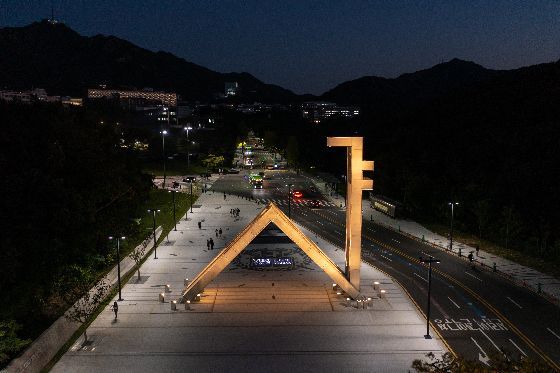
[270, 214]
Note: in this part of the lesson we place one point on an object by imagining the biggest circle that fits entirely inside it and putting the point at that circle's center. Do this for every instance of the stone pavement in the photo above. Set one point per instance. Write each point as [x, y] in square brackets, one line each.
[258, 320]
[518, 273]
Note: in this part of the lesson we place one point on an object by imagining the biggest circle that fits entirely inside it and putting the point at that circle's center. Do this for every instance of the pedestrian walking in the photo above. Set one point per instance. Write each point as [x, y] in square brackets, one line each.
[216, 232]
[211, 244]
[224, 196]
[115, 308]
[477, 249]
[199, 225]
[208, 244]
[220, 232]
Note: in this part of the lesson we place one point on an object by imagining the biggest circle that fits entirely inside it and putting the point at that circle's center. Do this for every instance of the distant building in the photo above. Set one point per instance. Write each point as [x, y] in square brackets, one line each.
[231, 88]
[316, 111]
[135, 98]
[37, 94]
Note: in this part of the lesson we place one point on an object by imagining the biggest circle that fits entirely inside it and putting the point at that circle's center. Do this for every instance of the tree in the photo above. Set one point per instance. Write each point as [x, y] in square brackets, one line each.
[213, 161]
[138, 254]
[482, 211]
[292, 150]
[10, 344]
[85, 307]
[498, 362]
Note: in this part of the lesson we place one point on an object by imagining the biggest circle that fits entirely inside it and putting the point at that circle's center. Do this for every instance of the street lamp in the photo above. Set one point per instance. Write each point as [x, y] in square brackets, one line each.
[163, 133]
[174, 217]
[188, 128]
[190, 179]
[452, 204]
[154, 211]
[118, 262]
[430, 260]
[290, 200]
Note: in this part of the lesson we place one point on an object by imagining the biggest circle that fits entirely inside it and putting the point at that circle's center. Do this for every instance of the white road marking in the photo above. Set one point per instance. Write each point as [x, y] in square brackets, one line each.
[451, 300]
[482, 357]
[556, 335]
[386, 258]
[520, 350]
[417, 275]
[473, 276]
[495, 345]
[514, 302]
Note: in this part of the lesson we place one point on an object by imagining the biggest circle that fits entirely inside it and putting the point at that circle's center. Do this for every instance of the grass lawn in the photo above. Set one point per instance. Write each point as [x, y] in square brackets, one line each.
[548, 267]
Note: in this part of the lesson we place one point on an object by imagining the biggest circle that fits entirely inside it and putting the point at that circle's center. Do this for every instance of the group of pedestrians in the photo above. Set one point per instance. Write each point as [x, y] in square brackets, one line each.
[234, 212]
[210, 244]
[219, 232]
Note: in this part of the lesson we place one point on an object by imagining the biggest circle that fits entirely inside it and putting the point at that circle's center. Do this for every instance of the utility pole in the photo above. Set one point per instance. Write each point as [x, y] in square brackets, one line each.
[430, 260]
[452, 204]
[290, 200]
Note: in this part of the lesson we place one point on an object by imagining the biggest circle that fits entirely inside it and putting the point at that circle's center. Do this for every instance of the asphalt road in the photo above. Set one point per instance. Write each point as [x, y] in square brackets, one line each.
[477, 312]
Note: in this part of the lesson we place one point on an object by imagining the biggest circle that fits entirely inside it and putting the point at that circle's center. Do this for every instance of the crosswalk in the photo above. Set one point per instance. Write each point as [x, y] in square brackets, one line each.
[303, 202]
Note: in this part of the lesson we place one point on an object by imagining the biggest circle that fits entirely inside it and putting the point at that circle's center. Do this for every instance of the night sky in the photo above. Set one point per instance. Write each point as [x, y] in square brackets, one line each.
[311, 46]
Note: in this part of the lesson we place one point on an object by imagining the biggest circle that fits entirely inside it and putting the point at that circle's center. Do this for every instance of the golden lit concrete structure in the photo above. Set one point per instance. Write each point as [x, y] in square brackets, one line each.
[270, 214]
[355, 184]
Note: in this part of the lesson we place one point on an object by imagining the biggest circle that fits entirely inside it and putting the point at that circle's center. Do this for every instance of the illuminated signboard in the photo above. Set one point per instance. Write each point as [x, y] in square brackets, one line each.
[272, 262]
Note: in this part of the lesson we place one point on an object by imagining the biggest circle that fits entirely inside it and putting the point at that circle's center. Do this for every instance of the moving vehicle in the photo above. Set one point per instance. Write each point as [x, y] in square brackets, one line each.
[297, 194]
[256, 181]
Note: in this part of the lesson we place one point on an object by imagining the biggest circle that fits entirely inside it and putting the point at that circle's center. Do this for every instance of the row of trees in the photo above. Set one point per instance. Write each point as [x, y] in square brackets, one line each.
[67, 185]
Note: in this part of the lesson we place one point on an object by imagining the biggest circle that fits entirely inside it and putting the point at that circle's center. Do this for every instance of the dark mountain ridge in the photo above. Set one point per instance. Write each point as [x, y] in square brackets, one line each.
[57, 58]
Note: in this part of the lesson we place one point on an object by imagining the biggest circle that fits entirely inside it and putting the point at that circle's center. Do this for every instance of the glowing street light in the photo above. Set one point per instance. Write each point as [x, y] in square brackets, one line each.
[174, 209]
[154, 211]
[430, 260]
[452, 204]
[188, 128]
[118, 262]
[163, 133]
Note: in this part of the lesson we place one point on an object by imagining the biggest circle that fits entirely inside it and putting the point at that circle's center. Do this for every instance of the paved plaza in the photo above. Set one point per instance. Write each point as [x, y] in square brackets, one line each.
[250, 320]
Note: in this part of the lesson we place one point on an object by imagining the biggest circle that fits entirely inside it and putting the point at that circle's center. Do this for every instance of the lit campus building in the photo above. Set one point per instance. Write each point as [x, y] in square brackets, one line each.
[37, 94]
[135, 97]
[316, 111]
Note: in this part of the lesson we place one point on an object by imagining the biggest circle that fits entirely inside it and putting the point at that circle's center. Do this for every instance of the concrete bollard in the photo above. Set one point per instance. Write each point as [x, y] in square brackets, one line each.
[188, 305]
[173, 305]
[375, 285]
[168, 288]
[197, 298]
[369, 302]
[359, 304]
[186, 282]
[382, 294]
[334, 287]
[161, 297]
[347, 302]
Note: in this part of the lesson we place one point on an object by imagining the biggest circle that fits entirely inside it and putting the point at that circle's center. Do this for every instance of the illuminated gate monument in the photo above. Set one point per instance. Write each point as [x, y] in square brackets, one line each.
[349, 281]
[355, 183]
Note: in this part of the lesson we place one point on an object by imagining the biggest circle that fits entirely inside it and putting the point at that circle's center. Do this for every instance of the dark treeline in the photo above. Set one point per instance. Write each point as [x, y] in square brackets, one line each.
[66, 186]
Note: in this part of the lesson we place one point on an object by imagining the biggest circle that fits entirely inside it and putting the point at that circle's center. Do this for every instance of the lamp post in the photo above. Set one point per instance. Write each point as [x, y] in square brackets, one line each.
[174, 209]
[154, 211]
[430, 260]
[452, 204]
[163, 133]
[118, 262]
[290, 200]
[188, 128]
[190, 179]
